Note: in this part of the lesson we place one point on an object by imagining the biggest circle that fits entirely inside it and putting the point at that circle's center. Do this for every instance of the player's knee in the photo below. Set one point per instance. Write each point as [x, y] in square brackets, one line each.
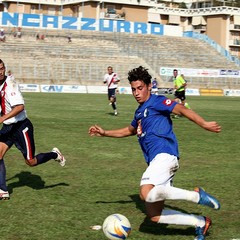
[144, 191]
[142, 197]
[31, 162]
[156, 194]
[155, 219]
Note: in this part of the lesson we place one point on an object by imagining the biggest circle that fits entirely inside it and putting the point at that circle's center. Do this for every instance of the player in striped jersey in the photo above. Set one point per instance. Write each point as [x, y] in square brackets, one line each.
[17, 129]
[111, 79]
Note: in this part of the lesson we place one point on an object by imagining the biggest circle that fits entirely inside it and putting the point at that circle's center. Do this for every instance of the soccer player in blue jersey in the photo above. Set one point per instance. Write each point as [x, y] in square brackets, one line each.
[153, 126]
[154, 86]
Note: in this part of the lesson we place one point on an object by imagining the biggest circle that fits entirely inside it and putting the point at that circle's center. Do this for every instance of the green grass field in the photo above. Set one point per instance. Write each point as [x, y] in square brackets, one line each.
[102, 175]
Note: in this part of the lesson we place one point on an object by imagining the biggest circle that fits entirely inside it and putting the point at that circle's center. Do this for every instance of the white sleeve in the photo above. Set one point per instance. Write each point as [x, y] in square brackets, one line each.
[105, 78]
[14, 94]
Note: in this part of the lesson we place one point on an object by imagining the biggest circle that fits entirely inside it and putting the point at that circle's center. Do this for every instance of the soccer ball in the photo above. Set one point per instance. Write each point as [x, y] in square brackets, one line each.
[116, 226]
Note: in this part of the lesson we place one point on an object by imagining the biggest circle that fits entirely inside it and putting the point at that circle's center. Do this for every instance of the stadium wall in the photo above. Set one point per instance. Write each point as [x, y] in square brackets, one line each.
[121, 90]
[39, 21]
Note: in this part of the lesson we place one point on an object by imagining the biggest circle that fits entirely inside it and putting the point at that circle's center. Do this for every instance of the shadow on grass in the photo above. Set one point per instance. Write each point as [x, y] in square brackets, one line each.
[147, 226]
[33, 181]
[110, 113]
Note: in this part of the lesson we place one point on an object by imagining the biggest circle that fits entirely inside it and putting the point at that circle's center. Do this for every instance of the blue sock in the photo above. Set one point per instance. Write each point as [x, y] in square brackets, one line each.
[45, 157]
[3, 184]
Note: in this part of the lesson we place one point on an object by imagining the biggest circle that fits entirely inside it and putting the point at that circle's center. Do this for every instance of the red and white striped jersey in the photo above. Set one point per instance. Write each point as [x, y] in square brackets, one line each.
[10, 97]
[111, 80]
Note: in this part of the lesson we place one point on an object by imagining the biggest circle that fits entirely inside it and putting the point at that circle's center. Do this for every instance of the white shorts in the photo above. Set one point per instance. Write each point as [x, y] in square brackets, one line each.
[161, 170]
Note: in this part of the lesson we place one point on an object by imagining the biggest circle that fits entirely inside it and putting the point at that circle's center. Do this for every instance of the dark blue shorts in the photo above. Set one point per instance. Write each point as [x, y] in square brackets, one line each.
[180, 95]
[111, 93]
[21, 135]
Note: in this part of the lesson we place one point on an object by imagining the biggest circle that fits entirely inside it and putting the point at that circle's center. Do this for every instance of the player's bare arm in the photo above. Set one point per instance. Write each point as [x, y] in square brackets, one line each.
[117, 81]
[15, 111]
[193, 116]
[117, 133]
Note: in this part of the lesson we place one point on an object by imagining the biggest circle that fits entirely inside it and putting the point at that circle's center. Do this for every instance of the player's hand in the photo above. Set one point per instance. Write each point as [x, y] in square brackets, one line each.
[1, 120]
[96, 131]
[212, 127]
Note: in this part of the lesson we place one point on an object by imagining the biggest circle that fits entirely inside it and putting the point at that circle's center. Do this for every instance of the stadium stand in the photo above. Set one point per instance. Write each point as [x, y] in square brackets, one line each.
[84, 60]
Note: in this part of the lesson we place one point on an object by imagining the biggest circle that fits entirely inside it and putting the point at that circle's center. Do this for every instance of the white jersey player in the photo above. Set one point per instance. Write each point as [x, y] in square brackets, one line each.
[17, 129]
[111, 79]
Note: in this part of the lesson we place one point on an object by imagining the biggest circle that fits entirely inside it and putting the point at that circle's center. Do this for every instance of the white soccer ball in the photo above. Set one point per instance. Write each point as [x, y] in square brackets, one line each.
[116, 226]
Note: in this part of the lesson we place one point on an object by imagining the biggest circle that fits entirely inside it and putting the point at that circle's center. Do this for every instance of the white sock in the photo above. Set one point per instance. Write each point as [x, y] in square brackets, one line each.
[178, 218]
[161, 192]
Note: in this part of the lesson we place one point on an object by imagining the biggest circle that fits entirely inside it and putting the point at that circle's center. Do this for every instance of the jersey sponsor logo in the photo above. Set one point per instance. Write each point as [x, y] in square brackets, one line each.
[168, 102]
[139, 129]
[140, 133]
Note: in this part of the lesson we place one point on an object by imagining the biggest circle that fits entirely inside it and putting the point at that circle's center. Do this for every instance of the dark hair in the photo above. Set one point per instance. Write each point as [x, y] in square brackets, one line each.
[1, 62]
[139, 74]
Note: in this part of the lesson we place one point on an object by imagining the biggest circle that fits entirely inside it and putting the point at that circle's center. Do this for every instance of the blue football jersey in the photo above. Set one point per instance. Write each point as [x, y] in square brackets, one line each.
[154, 127]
